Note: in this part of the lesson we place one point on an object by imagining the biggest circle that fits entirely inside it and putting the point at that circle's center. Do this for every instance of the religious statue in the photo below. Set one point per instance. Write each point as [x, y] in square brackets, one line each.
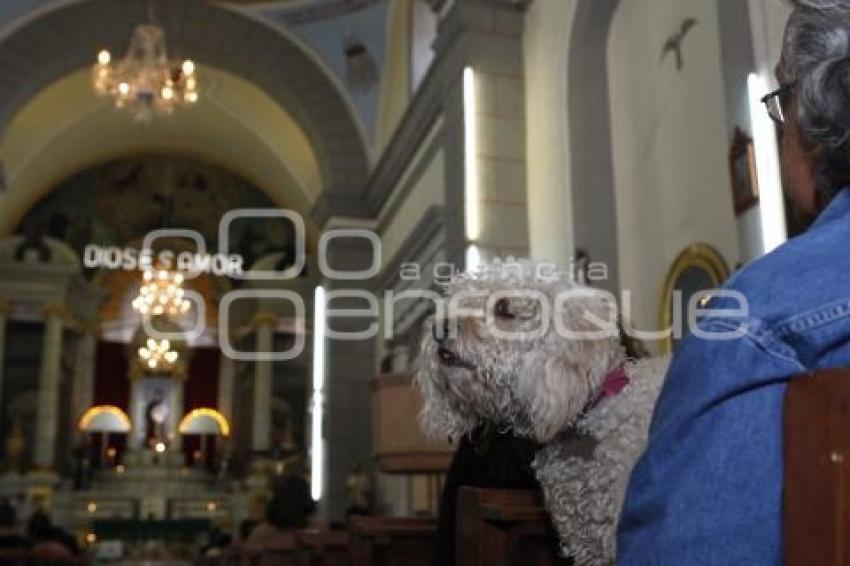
[15, 446]
[358, 486]
[156, 417]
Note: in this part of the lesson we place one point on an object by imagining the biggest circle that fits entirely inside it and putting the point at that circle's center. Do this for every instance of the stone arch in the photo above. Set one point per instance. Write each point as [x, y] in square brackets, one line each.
[65, 39]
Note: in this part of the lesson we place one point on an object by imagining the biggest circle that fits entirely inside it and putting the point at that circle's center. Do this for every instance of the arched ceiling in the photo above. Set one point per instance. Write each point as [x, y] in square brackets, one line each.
[64, 39]
[66, 128]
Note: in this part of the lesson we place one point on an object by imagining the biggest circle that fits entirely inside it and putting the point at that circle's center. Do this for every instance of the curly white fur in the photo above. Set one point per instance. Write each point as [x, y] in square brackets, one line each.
[538, 385]
[584, 492]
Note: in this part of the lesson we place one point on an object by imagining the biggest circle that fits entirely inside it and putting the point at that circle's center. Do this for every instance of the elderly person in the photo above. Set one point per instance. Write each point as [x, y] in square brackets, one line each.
[708, 489]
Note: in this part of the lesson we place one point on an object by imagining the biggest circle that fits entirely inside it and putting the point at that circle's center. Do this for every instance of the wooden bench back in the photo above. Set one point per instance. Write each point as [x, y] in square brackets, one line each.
[323, 548]
[387, 541]
[504, 527]
[817, 469]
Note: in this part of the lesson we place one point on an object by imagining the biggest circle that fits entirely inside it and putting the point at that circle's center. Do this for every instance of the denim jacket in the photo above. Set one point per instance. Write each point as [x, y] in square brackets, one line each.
[708, 488]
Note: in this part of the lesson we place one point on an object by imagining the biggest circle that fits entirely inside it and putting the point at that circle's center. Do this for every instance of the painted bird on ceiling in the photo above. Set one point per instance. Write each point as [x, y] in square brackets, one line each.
[361, 71]
[674, 42]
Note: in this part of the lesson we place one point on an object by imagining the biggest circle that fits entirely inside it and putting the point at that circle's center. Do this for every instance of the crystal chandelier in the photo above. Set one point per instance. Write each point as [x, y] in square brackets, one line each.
[145, 81]
[161, 293]
[157, 354]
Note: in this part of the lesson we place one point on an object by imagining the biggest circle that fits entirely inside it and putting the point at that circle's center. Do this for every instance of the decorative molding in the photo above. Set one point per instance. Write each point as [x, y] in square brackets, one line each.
[92, 326]
[54, 309]
[396, 193]
[333, 204]
[265, 318]
[308, 12]
[425, 231]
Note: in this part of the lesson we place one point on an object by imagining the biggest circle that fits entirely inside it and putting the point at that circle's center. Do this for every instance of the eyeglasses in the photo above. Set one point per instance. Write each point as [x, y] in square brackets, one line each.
[776, 101]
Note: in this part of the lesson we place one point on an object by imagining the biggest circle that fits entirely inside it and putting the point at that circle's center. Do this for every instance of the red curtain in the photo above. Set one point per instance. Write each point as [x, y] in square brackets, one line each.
[200, 390]
[111, 385]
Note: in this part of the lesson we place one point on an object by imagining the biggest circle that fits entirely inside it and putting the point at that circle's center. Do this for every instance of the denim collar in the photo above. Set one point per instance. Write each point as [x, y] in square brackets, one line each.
[838, 208]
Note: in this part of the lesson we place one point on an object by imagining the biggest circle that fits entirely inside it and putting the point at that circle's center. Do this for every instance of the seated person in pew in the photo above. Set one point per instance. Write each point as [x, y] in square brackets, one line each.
[709, 487]
[49, 541]
[217, 543]
[289, 509]
[235, 548]
[10, 538]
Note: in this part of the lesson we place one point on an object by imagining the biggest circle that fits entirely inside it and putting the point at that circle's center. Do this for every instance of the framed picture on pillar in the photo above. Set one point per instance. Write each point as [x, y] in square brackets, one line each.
[742, 167]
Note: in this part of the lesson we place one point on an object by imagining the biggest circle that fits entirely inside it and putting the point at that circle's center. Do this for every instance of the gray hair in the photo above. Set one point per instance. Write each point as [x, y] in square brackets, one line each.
[816, 54]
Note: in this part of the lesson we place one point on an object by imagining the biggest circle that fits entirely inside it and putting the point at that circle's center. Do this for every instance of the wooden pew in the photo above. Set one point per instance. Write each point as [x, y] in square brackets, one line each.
[391, 541]
[275, 549]
[323, 548]
[13, 557]
[817, 469]
[504, 527]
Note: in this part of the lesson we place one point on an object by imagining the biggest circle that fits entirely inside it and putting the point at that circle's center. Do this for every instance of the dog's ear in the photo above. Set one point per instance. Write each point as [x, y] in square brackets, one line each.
[554, 390]
[560, 378]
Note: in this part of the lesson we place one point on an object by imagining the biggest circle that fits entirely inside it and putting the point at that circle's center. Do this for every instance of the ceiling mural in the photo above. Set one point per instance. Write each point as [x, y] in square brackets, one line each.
[119, 202]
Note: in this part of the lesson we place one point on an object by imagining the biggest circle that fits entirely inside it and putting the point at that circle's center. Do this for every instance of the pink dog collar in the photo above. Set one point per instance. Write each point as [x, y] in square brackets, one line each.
[614, 383]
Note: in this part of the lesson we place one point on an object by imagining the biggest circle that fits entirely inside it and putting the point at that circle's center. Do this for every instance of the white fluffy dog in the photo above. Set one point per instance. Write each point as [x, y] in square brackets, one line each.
[520, 347]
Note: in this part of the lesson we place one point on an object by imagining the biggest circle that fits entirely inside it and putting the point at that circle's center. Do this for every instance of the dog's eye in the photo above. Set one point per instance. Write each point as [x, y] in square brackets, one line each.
[502, 309]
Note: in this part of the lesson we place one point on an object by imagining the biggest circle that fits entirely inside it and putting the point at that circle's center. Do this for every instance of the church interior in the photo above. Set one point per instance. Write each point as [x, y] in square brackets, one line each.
[222, 223]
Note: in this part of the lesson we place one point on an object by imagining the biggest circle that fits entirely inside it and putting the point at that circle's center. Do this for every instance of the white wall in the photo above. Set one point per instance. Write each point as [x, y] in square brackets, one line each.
[545, 46]
[775, 16]
[669, 145]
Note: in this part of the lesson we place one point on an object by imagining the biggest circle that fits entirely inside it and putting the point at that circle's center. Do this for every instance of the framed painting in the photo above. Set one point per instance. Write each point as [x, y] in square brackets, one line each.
[698, 268]
[742, 167]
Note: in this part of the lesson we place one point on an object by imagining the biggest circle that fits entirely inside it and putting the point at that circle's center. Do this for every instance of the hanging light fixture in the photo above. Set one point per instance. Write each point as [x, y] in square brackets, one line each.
[145, 81]
[161, 293]
[157, 354]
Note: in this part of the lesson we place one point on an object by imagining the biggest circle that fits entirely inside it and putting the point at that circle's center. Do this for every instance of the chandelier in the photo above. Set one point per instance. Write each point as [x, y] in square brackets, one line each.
[145, 81]
[161, 293]
[157, 354]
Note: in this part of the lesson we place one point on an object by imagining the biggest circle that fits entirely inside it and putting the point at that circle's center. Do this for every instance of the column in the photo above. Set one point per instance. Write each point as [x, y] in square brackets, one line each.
[261, 431]
[137, 414]
[83, 386]
[226, 374]
[4, 312]
[486, 210]
[176, 412]
[48, 388]
[349, 367]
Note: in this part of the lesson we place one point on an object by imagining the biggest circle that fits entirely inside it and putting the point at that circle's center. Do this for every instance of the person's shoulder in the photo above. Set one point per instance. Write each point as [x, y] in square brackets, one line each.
[804, 273]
